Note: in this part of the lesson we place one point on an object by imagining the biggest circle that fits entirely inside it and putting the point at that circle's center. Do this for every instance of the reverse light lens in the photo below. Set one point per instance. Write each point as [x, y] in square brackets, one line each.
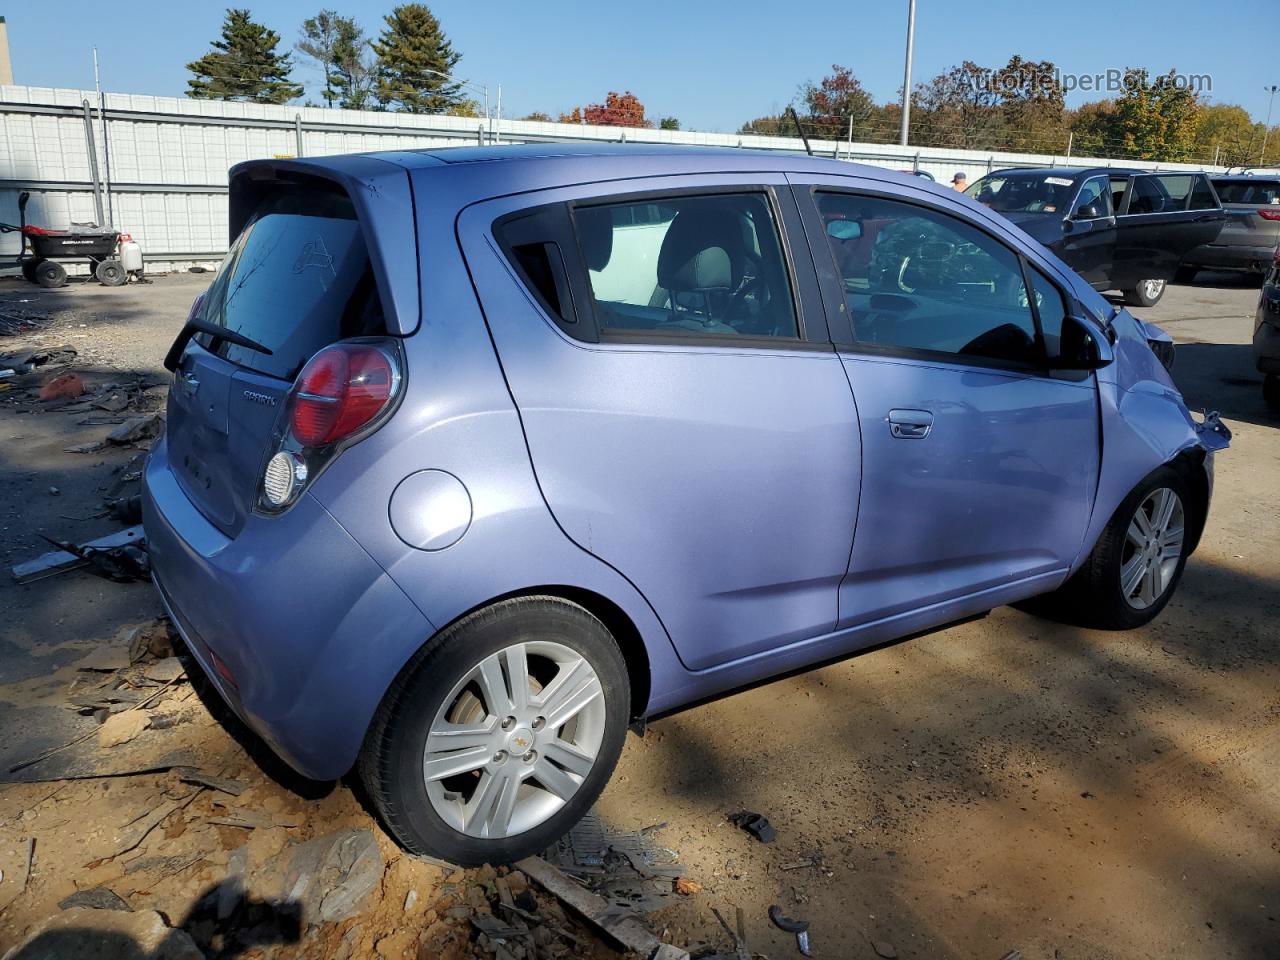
[284, 474]
[340, 389]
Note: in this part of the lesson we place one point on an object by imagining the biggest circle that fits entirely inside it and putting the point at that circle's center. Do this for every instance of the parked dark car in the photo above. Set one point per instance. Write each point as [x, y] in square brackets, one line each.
[1125, 230]
[474, 456]
[1251, 232]
[1266, 333]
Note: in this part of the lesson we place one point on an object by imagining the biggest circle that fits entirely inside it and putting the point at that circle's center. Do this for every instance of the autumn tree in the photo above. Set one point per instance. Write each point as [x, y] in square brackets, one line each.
[618, 110]
[839, 97]
[413, 53]
[958, 107]
[1229, 133]
[1032, 111]
[1093, 128]
[243, 65]
[538, 115]
[1157, 119]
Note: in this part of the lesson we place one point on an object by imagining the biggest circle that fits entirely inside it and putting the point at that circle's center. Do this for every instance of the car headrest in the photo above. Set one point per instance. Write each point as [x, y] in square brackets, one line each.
[595, 235]
[702, 249]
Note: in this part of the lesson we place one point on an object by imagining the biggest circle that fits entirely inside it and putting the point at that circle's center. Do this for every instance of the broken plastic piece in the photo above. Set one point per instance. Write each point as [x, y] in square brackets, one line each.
[755, 824]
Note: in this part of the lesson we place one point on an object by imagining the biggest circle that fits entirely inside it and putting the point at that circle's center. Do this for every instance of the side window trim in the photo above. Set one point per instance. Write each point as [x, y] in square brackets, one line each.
[809, 335]
[850, 344]
[1106, 192]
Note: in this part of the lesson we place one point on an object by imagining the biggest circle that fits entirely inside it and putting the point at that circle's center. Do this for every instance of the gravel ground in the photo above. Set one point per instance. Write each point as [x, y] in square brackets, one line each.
[1007, 784]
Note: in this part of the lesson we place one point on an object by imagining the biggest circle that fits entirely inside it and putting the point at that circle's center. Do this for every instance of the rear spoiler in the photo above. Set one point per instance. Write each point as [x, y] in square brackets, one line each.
[382, 194]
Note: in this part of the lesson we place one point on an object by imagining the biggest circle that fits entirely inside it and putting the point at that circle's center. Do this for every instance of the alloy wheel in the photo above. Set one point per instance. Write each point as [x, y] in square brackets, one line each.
[514, 739]
[1153, 548]
[1151, 289]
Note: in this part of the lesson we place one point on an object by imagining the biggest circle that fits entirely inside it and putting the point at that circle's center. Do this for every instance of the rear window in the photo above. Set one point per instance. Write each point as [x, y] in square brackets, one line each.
[297, 279]
[1260, 192]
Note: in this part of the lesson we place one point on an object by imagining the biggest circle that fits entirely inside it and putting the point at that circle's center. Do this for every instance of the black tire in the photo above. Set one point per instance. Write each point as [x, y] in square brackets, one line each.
[1093, 597]
[29, 269]
[49, 273]
[1185, 275]
[111, 273]
[1143, 296]
[392, 759]
[1271, 390]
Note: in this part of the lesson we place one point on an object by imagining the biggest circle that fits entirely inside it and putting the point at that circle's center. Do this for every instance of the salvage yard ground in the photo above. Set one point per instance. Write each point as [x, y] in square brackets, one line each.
[1010, 784]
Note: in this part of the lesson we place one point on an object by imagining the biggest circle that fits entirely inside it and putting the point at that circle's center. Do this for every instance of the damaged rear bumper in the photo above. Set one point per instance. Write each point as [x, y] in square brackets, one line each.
[293, 621]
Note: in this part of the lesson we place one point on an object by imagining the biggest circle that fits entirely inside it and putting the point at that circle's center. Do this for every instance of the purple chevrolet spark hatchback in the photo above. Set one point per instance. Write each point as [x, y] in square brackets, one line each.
[476, 457]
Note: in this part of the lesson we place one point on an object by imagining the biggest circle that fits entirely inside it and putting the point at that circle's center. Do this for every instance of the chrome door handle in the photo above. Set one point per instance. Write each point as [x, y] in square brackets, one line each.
[910, 424]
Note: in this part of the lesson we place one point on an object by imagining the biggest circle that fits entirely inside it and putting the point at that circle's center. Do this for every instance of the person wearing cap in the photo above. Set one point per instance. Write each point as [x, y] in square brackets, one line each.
[960, 182]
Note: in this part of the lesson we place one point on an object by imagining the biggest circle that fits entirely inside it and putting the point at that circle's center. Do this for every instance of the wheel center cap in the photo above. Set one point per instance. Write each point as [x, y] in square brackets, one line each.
[520, 740]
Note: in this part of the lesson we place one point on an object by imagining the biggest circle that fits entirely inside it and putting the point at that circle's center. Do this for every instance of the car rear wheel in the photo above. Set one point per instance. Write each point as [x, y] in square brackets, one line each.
[1137, 562]
[1147, 293]
[500, 734]
[1271, 390]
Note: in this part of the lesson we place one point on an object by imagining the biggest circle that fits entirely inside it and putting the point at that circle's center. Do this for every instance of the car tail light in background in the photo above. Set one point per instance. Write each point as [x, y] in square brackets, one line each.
[345, 392]
[1269, 213]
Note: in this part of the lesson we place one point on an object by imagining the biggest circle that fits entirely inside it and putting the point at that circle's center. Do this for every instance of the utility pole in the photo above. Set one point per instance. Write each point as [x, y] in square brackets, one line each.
[906, 80]
[106, 146]
[1266, 127]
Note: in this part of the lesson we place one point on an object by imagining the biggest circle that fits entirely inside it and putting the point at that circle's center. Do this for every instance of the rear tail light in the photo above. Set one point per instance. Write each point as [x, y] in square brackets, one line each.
[1267, 213]
[344, 393]
[340, 389]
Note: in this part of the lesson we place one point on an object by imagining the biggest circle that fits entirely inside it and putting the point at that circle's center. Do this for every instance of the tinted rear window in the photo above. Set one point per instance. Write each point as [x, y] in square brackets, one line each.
[1261, 192]
[297, 279]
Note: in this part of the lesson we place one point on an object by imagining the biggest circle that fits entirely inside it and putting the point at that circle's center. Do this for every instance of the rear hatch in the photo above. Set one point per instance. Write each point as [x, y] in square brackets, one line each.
[1254, 209]
[296, 279]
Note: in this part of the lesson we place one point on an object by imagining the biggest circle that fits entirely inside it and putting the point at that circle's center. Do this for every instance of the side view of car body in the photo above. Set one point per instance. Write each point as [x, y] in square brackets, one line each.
[1252, 228]
[476, 456]
[1126, 230]
[1266, 333]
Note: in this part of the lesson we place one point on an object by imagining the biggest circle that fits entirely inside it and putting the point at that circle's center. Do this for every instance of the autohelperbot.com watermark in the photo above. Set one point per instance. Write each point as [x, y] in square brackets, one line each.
[1111, 81]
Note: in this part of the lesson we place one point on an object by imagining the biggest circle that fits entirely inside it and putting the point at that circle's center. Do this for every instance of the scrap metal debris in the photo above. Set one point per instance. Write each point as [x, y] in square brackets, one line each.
[628, 868]
[625, 929]
[786, 924]
[122, 563]
[62, 559]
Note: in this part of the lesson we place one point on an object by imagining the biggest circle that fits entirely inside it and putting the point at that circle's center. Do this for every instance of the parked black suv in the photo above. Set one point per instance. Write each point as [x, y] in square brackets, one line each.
[1125, 230]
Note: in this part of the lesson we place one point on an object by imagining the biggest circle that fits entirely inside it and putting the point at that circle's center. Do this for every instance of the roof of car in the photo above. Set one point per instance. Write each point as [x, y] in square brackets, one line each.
[616, 157]
[1246, 177]
[1072, 172]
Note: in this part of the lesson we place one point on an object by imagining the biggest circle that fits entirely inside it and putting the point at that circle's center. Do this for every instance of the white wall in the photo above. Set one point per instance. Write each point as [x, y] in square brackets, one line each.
[170, 155]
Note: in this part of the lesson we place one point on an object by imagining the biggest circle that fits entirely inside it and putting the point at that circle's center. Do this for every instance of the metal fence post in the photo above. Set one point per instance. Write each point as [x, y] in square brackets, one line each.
[480, 135]
[93, 162]
[297, 132]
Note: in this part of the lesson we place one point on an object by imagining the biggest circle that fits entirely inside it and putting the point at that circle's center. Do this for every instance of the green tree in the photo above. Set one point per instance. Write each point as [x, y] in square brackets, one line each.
[1032, 112]
[539, 116]
[243, 65]
[1157, 119]
[1093, 129]
[412, 52]
[669, 123]
[960, 107]
[339, 46]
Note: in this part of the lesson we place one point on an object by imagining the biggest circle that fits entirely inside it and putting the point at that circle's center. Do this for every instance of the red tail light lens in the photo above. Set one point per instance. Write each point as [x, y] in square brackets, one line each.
[340, 390]
[1268, 213]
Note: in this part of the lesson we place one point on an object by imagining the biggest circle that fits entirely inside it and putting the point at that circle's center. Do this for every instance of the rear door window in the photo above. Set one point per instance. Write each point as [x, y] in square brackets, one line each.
[687, 266]
[1150, 196]
[1257, 192]
[297, 279]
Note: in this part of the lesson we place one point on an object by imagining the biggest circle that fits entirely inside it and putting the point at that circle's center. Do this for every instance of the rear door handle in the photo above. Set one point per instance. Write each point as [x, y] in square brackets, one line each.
[910, 424]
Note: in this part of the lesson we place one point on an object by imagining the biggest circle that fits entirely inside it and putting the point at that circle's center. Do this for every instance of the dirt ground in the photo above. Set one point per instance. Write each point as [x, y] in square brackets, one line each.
[1010, 784]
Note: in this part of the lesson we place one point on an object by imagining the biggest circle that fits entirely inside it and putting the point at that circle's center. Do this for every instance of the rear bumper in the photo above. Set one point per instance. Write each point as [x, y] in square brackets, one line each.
[1213, 256]
[307, 626]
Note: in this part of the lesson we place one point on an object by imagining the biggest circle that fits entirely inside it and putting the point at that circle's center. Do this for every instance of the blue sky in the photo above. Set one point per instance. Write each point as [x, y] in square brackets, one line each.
[712, 63]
